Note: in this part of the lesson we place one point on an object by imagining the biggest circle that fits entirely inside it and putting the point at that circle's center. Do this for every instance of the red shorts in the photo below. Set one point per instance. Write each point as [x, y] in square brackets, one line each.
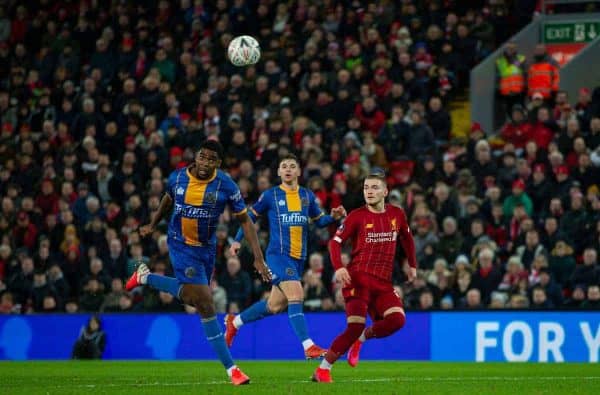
[377, 294]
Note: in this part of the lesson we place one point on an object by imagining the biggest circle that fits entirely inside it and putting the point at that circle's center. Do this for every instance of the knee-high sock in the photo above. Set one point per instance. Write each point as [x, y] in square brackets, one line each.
[214, 335]
[255, 312]
[165, 284]
[297, 320]
[385, 327]
[342, 343]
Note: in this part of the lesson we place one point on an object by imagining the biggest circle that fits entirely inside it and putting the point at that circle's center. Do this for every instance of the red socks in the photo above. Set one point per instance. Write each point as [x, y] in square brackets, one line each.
[342, 343]
[387, 326]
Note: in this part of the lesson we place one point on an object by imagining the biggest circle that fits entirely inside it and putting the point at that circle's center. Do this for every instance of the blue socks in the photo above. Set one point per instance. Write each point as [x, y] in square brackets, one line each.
[165, 284]
[255, 312]
[214, 335]
[297, 320]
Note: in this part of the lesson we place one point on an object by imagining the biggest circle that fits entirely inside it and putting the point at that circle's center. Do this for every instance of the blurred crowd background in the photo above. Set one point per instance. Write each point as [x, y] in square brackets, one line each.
[101, 100]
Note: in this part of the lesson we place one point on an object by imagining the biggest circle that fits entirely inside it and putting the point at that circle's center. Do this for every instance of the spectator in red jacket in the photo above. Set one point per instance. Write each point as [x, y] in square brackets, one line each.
[381, 85]
[542, 131]
[47, 200]
[371, 118]
[25, 233]
[517, 131]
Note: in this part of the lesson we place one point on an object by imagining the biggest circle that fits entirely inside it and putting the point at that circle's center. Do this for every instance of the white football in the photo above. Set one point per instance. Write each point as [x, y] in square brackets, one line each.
[243, 51]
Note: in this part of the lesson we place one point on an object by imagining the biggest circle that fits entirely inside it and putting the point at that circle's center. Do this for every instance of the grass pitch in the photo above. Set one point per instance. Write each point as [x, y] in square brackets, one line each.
[285, 377]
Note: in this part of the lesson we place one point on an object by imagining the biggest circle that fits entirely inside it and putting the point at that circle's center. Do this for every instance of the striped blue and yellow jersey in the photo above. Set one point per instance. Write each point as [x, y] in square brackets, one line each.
[198, 204]
[289, 213]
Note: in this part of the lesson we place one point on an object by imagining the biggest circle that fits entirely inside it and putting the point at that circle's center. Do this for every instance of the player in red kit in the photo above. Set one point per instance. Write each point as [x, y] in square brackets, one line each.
[374, 230]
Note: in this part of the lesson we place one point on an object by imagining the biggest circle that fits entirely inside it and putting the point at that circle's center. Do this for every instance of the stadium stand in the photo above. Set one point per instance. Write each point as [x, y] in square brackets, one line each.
[100, 101]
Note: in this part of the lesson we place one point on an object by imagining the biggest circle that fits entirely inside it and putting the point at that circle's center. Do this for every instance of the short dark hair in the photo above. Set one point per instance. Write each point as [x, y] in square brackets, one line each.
[289, 156]
[213, 145]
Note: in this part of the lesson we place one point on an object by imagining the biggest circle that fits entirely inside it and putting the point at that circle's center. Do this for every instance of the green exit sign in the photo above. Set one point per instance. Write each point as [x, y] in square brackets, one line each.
[570, 32]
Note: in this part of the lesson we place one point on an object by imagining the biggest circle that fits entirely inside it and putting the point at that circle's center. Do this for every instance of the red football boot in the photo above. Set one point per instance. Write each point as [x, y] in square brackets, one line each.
[238, 377]
[322, 376]
[314, 352]
[230, 329]
[354, 352]
[138, 277]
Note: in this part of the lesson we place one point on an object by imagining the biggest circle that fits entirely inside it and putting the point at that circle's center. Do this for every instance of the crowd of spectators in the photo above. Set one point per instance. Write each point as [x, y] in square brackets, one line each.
[99, 101]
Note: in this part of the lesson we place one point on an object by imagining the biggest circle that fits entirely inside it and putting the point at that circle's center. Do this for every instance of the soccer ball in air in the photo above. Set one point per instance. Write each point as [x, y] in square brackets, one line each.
[244, 51]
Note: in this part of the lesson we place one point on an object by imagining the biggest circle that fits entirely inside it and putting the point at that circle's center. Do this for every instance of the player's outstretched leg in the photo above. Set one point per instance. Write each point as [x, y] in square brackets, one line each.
[340, 345]
[292, 293]
[139, 277]
[143, 276]
[298, 323]
[390, 324]
[200, 296]
[354, 352]
[356, 311]
[253, 313]
[214, 335]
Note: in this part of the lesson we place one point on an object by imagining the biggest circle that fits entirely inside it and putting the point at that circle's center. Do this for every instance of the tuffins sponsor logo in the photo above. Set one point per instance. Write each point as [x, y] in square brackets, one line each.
[293, 219]
[188, 211]
[380, 237]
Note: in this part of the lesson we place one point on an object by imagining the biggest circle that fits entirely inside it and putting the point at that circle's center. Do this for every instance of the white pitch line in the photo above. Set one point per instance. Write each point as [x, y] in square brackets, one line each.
[463, 379]
[375, 380]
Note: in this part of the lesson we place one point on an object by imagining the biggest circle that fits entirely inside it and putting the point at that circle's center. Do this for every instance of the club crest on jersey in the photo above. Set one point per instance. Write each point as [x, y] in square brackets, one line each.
[190, 272]
[281, 202]
[393, 223]
[180, 191]
[211, 197]
[290, 272]
[369, 226]
[304, 201]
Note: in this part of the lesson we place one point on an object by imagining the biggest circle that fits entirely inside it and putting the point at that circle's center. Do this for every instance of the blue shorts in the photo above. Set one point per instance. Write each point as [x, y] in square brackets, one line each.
[191, 264]
[285, 268]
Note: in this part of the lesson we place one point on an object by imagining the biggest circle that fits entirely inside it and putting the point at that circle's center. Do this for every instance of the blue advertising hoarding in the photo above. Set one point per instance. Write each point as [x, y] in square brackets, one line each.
[437, 336]
[516, 336]
[180, 336]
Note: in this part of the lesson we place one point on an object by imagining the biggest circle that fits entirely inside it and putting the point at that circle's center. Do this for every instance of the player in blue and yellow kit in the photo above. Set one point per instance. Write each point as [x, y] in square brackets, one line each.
[198, 195]
[289, 208]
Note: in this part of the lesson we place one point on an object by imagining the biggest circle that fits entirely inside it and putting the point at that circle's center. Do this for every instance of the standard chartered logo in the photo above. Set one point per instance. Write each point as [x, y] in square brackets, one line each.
[380, 237]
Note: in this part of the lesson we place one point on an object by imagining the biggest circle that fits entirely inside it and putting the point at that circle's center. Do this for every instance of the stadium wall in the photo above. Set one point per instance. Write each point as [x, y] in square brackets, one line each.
[436, 336]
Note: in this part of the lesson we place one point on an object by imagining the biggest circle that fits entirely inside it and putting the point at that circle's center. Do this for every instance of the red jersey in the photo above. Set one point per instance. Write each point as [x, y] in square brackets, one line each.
[374, 239]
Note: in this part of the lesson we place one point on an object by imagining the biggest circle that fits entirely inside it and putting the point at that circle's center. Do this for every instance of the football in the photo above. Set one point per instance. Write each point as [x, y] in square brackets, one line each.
[243, 51]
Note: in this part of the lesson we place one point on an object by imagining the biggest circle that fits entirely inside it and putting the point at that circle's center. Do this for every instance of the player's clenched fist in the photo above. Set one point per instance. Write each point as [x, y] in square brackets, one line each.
[338, 212]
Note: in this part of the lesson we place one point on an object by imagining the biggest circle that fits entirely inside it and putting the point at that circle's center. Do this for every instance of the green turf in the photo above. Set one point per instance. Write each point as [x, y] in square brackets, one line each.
[143, 377]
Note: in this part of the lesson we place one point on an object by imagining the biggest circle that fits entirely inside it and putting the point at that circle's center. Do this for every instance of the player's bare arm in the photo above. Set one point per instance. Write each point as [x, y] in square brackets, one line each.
[343, 277]
[411, 272]
[252, 237]
[408, 243]
[165, 206]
